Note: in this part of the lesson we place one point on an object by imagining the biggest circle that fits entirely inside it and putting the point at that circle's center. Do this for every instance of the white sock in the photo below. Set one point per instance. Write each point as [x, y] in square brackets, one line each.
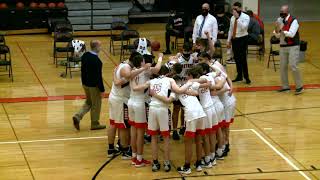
[207, 159]
[220, 151]
[134, 155]
[139, 157]
[213, 155]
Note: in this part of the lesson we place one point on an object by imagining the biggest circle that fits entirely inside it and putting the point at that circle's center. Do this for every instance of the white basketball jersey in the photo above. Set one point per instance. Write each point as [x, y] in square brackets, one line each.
[204, 94]
[140, 79]
[225, 98]
[192, 107]
[123, 91]
[160, 86]
[214, 99]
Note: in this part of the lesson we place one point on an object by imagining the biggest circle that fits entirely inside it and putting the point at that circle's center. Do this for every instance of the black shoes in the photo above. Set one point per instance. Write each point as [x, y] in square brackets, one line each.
[182, 130]
[167, 52]
[76, 122]
[248, 81]
[284, 90]
[237, 79]
[175, 135]
[299, 91]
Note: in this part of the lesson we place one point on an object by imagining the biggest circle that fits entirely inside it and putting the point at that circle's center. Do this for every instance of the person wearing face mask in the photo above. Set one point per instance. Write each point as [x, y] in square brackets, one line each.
[238, 37]
[287, 28]
[174, 27]
[205, 23]
[91, 77]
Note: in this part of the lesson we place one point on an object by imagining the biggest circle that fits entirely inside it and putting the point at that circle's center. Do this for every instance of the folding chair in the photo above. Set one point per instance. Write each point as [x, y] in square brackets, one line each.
[2, 39]
[5, 59]
[126, 42]
[273, 41]
[116, 26]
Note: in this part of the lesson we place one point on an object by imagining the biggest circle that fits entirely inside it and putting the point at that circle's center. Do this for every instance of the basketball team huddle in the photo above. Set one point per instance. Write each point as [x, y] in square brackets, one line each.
[140, 99]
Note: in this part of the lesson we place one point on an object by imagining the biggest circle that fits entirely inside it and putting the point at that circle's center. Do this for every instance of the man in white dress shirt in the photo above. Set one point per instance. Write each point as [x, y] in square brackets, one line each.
[288, 30]
[205, 23]
[238, 37]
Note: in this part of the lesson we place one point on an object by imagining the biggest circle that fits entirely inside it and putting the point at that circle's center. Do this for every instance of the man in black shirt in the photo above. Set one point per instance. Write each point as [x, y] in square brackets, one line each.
[174, 27]
[223, 23]
[254, 29]
[91, 77]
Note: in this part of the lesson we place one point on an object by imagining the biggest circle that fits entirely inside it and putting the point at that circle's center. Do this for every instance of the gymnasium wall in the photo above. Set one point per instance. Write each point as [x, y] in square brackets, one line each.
[304, 10]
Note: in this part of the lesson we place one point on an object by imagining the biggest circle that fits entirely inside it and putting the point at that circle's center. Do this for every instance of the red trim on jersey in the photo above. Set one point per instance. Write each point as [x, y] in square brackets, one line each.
[201, 132]
[152, 132]
[165, 133]
[215, 128]
[208, 131]
[190, 134]
[120, 125]
[111, 121]
[132, 123]
[140, 125]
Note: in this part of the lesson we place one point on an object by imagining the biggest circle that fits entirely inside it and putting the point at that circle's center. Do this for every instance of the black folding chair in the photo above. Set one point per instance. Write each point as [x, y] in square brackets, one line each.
[116, 26]
[127, 37]
[273, 41]
[5, 59]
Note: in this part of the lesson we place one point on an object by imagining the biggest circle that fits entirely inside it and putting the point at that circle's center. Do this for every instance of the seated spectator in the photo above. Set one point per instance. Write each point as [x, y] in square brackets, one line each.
[258, 19]
[223, 24]
[253, 29]
[174, 27]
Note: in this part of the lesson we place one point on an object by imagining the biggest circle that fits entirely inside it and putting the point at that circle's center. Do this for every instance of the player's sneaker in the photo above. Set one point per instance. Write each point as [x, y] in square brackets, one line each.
[184, 170]
[166, 166]
[155, 167]
[142, 163]
[113, 152]
[134, 161]
[126, 155]
[198, 165]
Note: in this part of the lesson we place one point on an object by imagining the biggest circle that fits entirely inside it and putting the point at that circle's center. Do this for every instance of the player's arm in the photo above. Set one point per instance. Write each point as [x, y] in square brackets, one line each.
[141, 87]
[178, 89]
[192, 93]
[128, 73]
[164, 99]
[218, 84]
[156, 69]
[117, 81]
[229, 81]
[221, 91]
[211, 43]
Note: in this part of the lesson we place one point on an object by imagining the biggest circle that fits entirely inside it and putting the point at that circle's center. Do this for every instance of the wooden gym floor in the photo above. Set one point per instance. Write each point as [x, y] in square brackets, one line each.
[275, 136]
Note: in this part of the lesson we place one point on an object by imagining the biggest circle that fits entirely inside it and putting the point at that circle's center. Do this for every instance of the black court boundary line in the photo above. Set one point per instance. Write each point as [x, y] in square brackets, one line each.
[103, 166]
[174, 167]
[243, 173]
[32, 69]
[272, 140]
[14, 132]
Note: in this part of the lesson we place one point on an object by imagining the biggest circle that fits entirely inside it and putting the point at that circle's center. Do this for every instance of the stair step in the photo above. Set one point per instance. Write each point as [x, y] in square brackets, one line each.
[87, 6]
[87, 20]
[76, 1]
[127, 4]
[85, 27]
[114, 11]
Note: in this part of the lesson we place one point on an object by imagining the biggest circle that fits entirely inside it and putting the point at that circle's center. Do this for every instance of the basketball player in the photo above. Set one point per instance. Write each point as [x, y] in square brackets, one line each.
[137, 110]
[229, 103]
[218, 83]
[118, 100]
[194, 115]
[158, 119]
[186, 59]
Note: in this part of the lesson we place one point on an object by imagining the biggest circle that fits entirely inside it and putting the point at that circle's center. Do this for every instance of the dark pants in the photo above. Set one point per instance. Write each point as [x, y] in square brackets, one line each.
[169, 33]
[239, 47]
